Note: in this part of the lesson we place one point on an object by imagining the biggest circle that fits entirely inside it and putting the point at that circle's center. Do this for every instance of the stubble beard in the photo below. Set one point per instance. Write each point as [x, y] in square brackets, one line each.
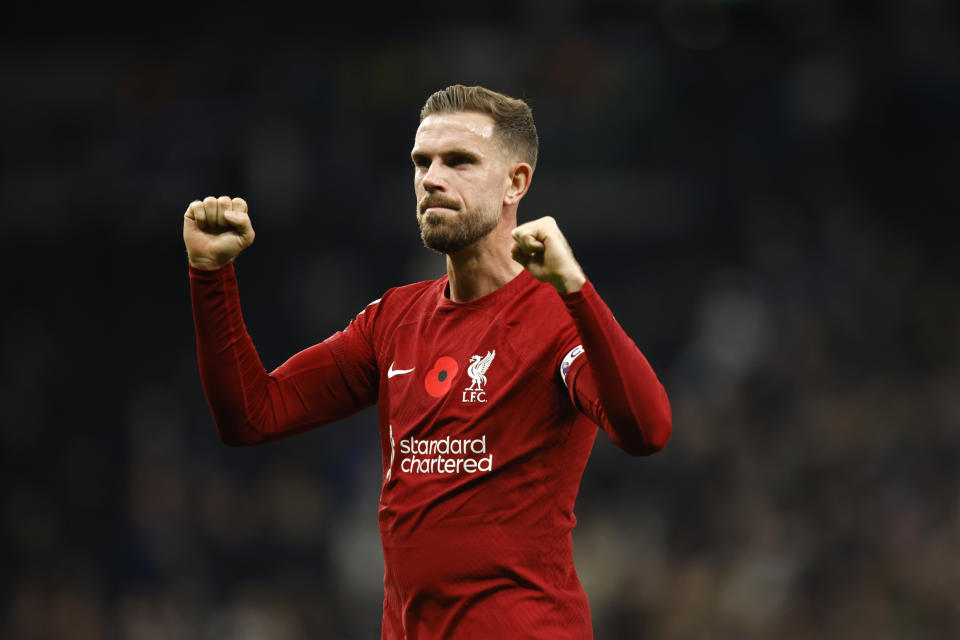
[452, 233]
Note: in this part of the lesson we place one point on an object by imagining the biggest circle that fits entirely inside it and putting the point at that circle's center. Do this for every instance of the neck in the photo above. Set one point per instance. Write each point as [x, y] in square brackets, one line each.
[484, 266]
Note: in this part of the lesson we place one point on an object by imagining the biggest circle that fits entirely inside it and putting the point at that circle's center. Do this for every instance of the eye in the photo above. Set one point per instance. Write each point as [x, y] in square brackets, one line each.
[421, 161]
[458, 159]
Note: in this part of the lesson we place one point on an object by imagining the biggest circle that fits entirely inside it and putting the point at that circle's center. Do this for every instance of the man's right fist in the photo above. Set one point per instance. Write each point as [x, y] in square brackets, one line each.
[216, 230]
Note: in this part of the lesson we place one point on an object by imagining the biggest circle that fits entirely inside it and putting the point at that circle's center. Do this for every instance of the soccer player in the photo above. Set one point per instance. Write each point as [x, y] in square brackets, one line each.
[490, 381]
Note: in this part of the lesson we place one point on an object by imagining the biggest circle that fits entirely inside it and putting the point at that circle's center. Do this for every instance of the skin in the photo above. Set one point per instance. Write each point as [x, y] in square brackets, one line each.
[467, 187]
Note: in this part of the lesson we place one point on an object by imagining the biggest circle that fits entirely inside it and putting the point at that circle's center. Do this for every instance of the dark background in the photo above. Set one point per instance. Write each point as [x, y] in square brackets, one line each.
[763, 192]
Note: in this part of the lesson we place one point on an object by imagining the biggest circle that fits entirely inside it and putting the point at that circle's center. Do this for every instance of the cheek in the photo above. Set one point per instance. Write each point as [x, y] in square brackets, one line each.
[497, 184]
[494, 191]
[484, 187]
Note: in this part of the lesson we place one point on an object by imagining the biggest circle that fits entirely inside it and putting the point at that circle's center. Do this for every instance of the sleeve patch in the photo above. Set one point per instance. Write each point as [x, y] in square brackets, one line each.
[568, 360]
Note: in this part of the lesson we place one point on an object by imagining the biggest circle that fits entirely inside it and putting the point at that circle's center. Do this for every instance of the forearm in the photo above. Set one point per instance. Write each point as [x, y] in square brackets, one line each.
[249, 405]
[616, 386]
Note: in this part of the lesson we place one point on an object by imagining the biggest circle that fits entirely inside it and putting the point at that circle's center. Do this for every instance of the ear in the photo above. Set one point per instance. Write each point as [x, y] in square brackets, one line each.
[518, 182]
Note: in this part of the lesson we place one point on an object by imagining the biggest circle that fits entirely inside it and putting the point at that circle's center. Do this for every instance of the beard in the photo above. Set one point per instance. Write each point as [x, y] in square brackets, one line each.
[452, 233]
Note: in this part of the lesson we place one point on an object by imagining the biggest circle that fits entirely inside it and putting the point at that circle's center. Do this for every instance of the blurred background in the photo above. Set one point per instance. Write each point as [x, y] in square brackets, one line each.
[763, 192]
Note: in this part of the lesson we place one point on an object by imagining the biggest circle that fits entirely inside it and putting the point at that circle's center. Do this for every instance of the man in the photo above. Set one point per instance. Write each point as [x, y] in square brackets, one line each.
[490, 382]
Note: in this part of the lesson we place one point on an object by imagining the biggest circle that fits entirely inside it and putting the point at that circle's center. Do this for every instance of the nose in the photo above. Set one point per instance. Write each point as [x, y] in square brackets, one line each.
[433, 178]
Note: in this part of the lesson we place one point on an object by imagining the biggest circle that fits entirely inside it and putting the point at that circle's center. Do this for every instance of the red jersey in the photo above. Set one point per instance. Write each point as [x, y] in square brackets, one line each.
[488, 412]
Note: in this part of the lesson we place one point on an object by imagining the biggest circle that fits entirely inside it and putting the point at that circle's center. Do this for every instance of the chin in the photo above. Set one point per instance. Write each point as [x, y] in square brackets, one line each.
[443, 244]
[450, 236]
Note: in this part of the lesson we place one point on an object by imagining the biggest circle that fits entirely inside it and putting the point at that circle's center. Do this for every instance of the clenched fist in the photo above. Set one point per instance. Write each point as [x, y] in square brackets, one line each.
[216, 230]
[543, 251]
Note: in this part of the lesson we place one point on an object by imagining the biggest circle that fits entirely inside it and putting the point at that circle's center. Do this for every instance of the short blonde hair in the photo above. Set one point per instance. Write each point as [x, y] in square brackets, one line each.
[512, 118]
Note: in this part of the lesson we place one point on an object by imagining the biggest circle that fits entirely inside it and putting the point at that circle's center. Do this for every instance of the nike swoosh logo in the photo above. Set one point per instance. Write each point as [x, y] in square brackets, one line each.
[396, 372]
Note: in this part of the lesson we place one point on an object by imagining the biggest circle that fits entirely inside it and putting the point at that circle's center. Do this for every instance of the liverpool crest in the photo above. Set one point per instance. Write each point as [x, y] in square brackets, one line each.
[477, 370]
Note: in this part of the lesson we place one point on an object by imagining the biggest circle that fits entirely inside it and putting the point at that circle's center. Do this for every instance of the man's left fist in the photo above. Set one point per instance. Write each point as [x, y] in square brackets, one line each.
[543, 251]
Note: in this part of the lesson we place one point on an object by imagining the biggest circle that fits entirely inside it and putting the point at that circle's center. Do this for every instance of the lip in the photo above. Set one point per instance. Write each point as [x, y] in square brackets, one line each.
[436, 210]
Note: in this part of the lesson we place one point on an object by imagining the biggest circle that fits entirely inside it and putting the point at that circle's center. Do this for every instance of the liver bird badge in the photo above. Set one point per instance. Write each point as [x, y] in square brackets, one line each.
[477, 370]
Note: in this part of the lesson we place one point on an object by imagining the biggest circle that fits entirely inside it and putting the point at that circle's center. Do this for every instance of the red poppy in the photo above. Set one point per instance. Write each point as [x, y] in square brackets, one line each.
[439, 379]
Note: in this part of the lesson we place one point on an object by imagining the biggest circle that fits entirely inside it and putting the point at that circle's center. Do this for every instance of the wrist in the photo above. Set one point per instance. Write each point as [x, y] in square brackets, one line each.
[571, 283]
[205, 264]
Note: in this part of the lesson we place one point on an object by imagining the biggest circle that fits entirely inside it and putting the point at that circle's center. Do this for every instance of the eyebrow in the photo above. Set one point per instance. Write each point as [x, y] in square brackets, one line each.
[449, 153]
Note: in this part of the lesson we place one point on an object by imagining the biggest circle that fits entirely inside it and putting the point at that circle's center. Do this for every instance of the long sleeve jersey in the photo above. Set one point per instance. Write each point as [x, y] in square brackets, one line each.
[488, 411]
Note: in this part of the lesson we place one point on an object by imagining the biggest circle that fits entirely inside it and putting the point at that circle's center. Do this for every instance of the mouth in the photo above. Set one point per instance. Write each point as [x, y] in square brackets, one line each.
[437, 210]
[437, 207]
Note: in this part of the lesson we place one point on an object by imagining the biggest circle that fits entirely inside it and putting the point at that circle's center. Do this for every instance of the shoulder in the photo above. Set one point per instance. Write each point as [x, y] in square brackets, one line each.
[544, 302]
[408, 294]
[397, 302]
[534, 311]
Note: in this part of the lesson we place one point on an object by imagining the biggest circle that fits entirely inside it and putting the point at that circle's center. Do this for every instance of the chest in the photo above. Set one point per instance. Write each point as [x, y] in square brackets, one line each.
[453, 374]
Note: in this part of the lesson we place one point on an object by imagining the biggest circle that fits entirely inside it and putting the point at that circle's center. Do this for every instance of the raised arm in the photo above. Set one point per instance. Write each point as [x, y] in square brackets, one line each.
[613, 383]
[250, 406]
[609, 378]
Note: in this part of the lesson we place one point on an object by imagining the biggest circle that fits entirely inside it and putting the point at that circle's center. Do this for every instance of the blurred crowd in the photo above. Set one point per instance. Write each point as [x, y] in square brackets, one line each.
[762, 192]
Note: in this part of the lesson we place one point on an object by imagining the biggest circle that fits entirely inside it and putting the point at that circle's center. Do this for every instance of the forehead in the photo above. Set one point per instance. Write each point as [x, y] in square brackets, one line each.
[455, 129]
